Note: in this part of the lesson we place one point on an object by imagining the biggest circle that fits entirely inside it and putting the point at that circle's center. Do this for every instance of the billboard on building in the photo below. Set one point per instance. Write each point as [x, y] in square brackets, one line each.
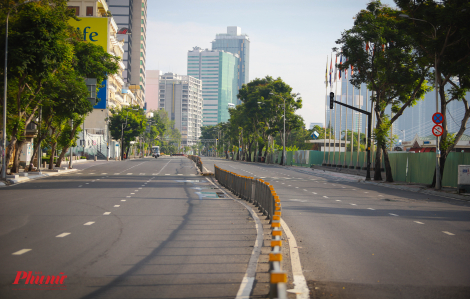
[95, 30]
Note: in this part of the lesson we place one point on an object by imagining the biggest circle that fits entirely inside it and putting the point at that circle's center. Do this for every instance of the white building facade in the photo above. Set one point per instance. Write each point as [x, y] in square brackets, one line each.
[181, 97]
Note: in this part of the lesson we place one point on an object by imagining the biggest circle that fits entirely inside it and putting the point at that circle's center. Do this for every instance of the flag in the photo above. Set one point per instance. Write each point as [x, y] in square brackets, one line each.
[331, 68]
[340, 63]
[367, 47]
[326, 72]
[336, 66]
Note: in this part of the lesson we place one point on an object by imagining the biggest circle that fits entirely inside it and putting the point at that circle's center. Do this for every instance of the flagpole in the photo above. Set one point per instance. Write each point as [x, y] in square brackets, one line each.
[364, 165]
[359, 127]
[329, 134]
[352, 128]
[346, 121]
[340, 121]
[336, 90]
[326, 103]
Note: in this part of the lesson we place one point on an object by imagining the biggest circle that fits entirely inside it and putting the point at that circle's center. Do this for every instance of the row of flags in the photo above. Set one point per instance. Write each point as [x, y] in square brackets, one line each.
[330, 72]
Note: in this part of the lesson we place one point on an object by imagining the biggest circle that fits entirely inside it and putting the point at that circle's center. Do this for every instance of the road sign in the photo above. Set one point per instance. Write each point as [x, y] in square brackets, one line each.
[438, 118]
[437, 130]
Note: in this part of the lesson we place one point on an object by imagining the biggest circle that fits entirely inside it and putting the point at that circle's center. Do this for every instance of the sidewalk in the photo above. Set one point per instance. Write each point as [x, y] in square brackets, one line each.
[24, 177]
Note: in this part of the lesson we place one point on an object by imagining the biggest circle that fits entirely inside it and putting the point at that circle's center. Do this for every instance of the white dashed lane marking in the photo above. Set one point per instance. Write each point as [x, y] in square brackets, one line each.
[89, 223]
[129, 173]
[62, 235]
[325, 196]
[106, 213]
[447, 233]
[392, 214]
[80, 186]
[20, 252]
[353, 204]
[371, 209]
[116, 206]
[132, 193]
[123, 200]
[418, 222]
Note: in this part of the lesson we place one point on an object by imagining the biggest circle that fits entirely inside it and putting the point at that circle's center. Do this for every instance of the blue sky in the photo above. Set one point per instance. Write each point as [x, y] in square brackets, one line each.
[289, 39]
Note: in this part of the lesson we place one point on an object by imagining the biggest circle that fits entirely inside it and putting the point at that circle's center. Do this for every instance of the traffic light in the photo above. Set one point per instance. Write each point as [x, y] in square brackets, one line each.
[332, 97]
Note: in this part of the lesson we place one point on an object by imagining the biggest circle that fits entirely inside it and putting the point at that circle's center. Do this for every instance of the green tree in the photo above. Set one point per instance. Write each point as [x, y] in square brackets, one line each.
[392, 68]
[130, 122]
[449, 48]
[38, 48]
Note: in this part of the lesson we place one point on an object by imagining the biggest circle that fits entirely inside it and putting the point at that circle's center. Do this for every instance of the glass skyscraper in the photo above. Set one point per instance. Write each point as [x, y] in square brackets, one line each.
[218, 71]
[235, 42]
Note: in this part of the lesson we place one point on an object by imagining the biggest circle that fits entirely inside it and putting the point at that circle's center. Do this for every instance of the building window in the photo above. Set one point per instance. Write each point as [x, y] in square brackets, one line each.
[76, 8]
[89, 11]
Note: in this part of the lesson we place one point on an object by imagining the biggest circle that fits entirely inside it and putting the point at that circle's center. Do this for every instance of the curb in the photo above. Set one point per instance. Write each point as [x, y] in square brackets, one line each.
[14, 182]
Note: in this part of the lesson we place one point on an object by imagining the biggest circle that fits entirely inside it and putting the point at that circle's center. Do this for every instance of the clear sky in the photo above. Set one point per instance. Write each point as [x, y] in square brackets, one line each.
[289, 38]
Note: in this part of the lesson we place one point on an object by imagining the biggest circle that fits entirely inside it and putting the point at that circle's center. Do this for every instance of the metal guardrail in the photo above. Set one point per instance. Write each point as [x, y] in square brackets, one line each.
[198, 162]
[263, 196]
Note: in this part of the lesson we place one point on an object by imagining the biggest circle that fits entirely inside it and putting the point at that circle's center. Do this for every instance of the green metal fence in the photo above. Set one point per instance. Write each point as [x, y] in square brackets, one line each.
[406, 167]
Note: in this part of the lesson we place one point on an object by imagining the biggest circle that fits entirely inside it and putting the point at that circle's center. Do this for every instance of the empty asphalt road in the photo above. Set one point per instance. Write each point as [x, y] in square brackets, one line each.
[145, 228]
[359, 240]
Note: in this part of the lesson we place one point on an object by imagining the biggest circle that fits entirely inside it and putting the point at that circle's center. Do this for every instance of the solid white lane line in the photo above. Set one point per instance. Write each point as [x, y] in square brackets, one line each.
[393, 214]
[371, 209]
[20, 252]
[62, 235]
[325, 196]
[89, 223]
[106, 213]
[116, 206]
[418, 222]
[447, 233]
[300, 284]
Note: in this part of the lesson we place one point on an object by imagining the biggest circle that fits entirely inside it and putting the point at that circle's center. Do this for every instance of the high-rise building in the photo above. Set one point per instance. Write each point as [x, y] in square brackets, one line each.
[152, 89]
[217, 70]
[132, 14]
[181, 97]
[235, 42]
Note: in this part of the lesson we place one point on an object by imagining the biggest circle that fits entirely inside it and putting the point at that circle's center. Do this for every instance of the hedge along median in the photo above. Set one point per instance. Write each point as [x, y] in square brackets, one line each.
[263, 196]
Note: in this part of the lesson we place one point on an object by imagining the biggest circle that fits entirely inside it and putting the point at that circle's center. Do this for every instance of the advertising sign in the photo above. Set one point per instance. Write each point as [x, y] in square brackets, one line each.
[95, 30]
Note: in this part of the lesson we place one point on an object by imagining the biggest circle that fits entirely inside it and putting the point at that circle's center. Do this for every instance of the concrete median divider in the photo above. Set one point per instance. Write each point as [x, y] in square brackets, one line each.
[262, 195]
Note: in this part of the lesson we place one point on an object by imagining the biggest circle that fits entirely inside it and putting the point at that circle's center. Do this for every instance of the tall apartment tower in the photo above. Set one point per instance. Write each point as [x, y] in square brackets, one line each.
[132, 14]
[218, 71]
[235, 42]
[181, 97]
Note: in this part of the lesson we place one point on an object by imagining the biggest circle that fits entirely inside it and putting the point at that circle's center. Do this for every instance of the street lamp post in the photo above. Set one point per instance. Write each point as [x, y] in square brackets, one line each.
[4, 137]
[438, 153]
[284, 139]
